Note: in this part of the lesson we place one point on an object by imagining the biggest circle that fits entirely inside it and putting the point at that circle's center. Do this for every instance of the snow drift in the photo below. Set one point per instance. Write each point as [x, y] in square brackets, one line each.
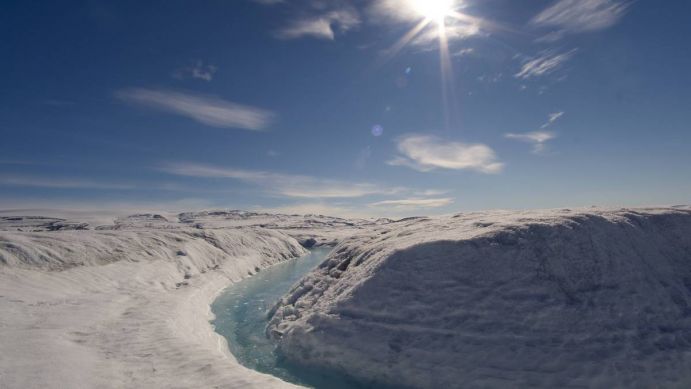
[560, 298]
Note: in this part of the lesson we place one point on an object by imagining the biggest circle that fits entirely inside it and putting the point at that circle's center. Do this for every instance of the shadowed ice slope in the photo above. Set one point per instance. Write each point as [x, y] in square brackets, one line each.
[550, 299]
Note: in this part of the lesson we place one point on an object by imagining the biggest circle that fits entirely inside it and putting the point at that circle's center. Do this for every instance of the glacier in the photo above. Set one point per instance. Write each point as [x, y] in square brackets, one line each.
[560, 298]
[553, 298]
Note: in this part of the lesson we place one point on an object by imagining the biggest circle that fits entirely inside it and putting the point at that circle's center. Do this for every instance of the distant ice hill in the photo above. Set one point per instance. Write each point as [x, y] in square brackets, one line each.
[309, 229]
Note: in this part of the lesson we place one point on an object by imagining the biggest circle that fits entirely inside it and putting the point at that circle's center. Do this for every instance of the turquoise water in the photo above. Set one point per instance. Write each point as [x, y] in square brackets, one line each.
[242, 315]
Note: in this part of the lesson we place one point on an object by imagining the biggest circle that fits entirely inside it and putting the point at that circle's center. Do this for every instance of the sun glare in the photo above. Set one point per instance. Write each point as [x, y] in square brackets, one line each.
[435, 10]
[434, 15]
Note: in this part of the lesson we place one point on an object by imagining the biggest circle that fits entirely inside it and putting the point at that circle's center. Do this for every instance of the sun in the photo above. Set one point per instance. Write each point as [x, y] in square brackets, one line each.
[434, 10]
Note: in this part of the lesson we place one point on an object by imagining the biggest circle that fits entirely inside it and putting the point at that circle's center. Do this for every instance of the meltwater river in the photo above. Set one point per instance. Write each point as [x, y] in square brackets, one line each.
[241, 317]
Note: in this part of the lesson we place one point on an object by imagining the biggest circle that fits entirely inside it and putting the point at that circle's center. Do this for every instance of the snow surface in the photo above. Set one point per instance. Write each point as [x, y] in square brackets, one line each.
[324, 230]
[542, 298]
[560, 298]
[124, 308]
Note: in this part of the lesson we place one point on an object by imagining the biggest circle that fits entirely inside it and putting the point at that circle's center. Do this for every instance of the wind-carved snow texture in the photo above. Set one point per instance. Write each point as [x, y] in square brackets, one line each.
[316, 230]
[564, 298]
[126, 307]
[554, 298]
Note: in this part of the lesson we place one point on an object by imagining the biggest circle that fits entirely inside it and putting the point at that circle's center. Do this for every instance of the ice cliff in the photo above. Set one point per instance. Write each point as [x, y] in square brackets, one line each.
[561, 298]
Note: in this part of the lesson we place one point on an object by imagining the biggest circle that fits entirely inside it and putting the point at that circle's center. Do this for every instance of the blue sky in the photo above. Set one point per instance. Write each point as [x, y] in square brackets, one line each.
[345, 107]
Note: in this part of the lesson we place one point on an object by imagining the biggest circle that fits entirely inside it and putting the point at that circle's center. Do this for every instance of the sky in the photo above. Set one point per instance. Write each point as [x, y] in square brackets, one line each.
[344, 107]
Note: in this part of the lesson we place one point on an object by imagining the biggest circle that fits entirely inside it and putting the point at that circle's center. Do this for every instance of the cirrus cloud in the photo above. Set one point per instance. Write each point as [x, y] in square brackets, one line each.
[415, 203]
[321, 26]
[581, 15]
[539, 139]
[208, 110]
[552, 118]
[61, 183]
[547, 62]
[199, 70]
[288, 185]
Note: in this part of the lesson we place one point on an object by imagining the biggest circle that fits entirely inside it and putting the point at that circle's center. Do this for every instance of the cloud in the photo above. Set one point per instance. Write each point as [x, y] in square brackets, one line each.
[537, 138]
[325, 19]
[393, 11]
[425, 153]
[581, 15]
[552, 118]
[547, 62]
[296, 186]
[551, 37]
[540, 138]
[199, 70]
[208, 110]
[464, 52]
[415, 203]
[454, 30]
[51, 182]
[431, 192]
[61, 183]
[322, 25]
[316, 18]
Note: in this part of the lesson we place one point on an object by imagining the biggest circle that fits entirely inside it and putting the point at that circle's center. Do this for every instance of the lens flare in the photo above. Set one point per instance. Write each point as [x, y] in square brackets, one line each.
[447, 20]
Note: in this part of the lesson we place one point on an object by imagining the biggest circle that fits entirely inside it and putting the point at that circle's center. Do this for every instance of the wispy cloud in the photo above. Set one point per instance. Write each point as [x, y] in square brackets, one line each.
[199, 70]
[53, 182]
[326, 19]
[208, 110]
[538, 139]
[425, 153]
[464, 52]
[323, 25]
[581, 15]
[316, 18]
[547, 62]
[454, 30]
[415, 203]
[430, 192]
[393, 11]
[60, 183]
[287, 185]
[552, 118]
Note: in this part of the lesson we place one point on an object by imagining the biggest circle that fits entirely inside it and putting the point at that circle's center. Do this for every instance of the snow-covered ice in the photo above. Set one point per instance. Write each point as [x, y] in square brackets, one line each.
[124, 308]
[587, 297]
[561, 298]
